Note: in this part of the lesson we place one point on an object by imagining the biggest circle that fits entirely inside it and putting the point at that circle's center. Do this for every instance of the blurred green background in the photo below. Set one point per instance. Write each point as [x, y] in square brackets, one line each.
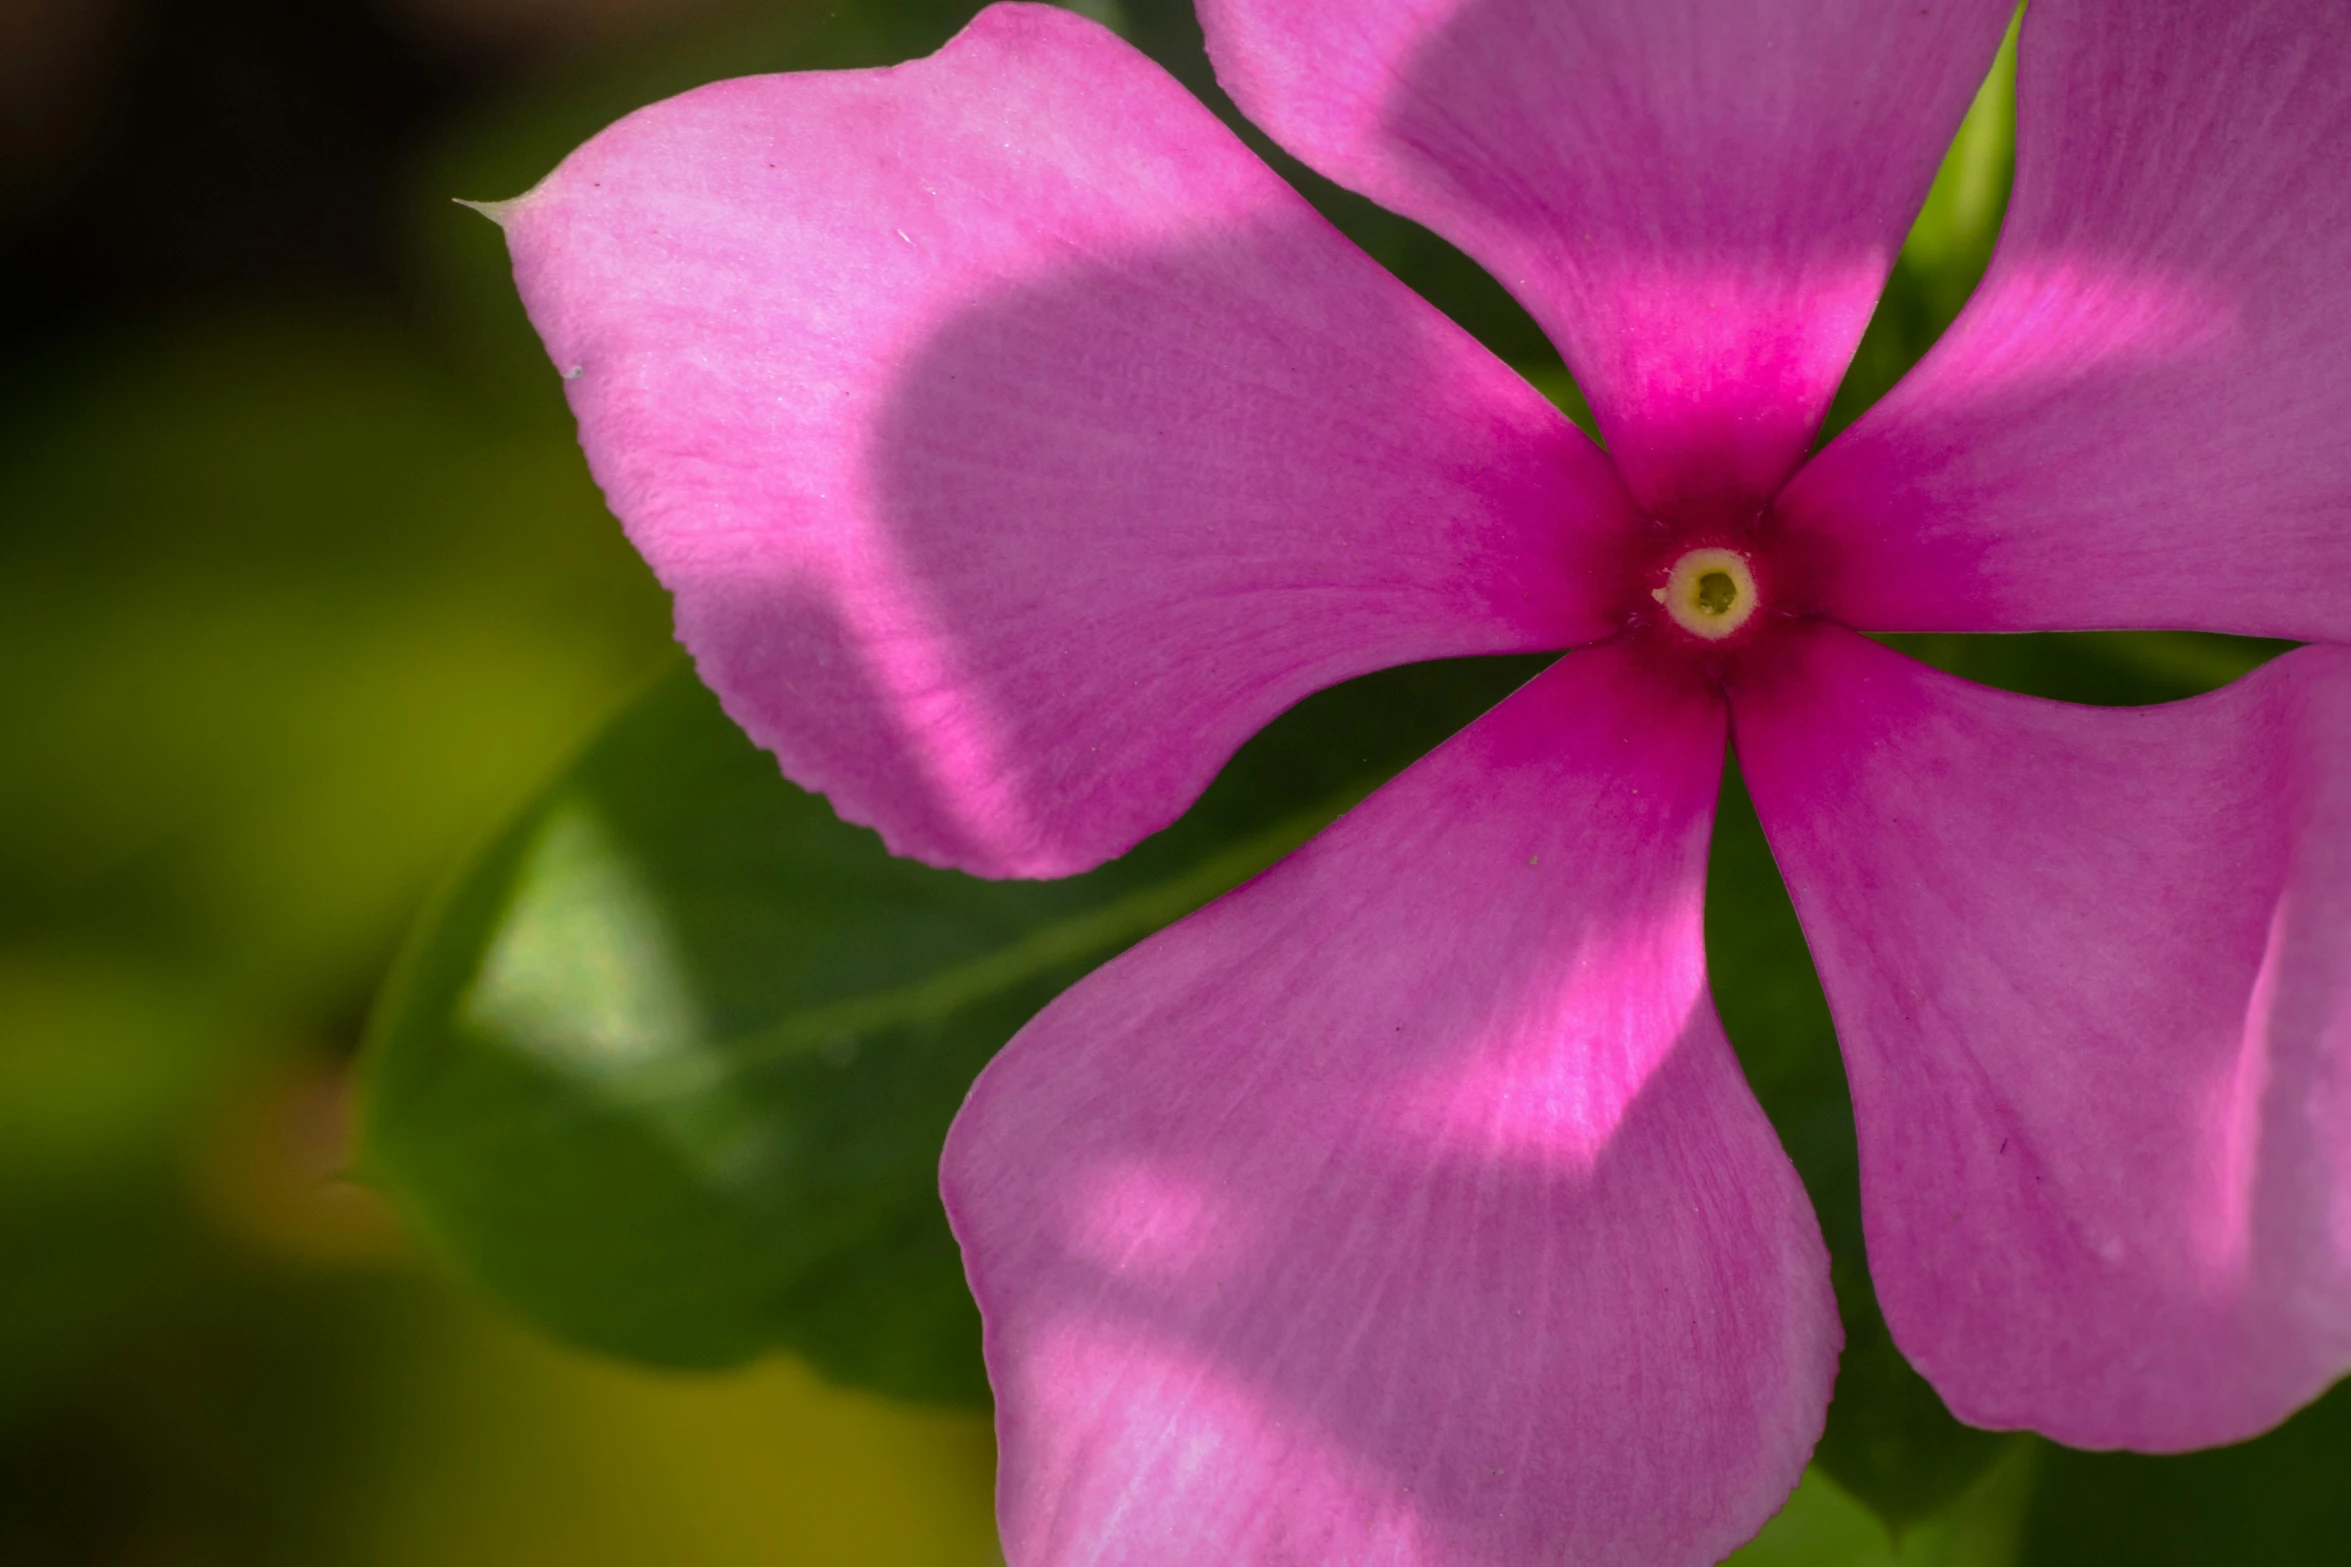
[304, 592]
[302, 588]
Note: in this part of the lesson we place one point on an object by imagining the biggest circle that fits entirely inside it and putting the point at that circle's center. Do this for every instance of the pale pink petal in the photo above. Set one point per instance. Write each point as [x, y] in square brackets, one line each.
[2139, 419]
[1407, 1205]
[1699, 199]
[1016, 444]
[2088, 967]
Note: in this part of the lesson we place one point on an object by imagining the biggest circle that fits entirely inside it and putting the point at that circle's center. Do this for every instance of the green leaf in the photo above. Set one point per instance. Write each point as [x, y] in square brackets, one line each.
[1951, 240]
[670, 1069]
[2097, 668]
[1823, 1526]
[1948, 247]
[2279, 1500]
[1890, 1442]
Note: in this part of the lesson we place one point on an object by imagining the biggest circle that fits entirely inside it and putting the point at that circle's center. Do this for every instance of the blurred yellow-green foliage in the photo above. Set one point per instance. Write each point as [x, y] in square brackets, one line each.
[302, 586]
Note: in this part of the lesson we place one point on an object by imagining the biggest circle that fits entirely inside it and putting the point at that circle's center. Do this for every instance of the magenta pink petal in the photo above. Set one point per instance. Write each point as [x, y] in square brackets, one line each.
[1408, 1205]
[1699, 199]
[1016, 444]
[2139, 419]
[2087, 966]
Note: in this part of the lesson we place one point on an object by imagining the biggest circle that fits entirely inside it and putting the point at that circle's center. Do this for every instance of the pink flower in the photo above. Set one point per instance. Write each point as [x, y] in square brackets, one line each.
[1015, 443]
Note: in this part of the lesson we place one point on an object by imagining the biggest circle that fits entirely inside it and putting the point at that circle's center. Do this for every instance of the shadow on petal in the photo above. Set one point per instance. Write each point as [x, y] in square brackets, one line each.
[856, 712]
[1407, 1204]
[1133, 509]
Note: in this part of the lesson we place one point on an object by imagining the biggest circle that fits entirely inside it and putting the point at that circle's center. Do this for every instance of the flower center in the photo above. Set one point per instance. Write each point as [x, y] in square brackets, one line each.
[1710, 593]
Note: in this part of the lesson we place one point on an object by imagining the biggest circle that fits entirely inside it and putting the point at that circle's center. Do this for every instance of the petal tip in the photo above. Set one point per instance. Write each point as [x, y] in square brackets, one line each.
[495, 211]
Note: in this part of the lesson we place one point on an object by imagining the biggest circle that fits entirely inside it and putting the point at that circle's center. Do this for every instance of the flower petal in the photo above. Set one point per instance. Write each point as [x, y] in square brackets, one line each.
[1699, 199]
[2138, 420]
[2089, 971]
[1407, 1205]
[1016, 443]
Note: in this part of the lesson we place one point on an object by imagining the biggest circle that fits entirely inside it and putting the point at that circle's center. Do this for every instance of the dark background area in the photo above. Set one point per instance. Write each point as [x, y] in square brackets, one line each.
[168, 156]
